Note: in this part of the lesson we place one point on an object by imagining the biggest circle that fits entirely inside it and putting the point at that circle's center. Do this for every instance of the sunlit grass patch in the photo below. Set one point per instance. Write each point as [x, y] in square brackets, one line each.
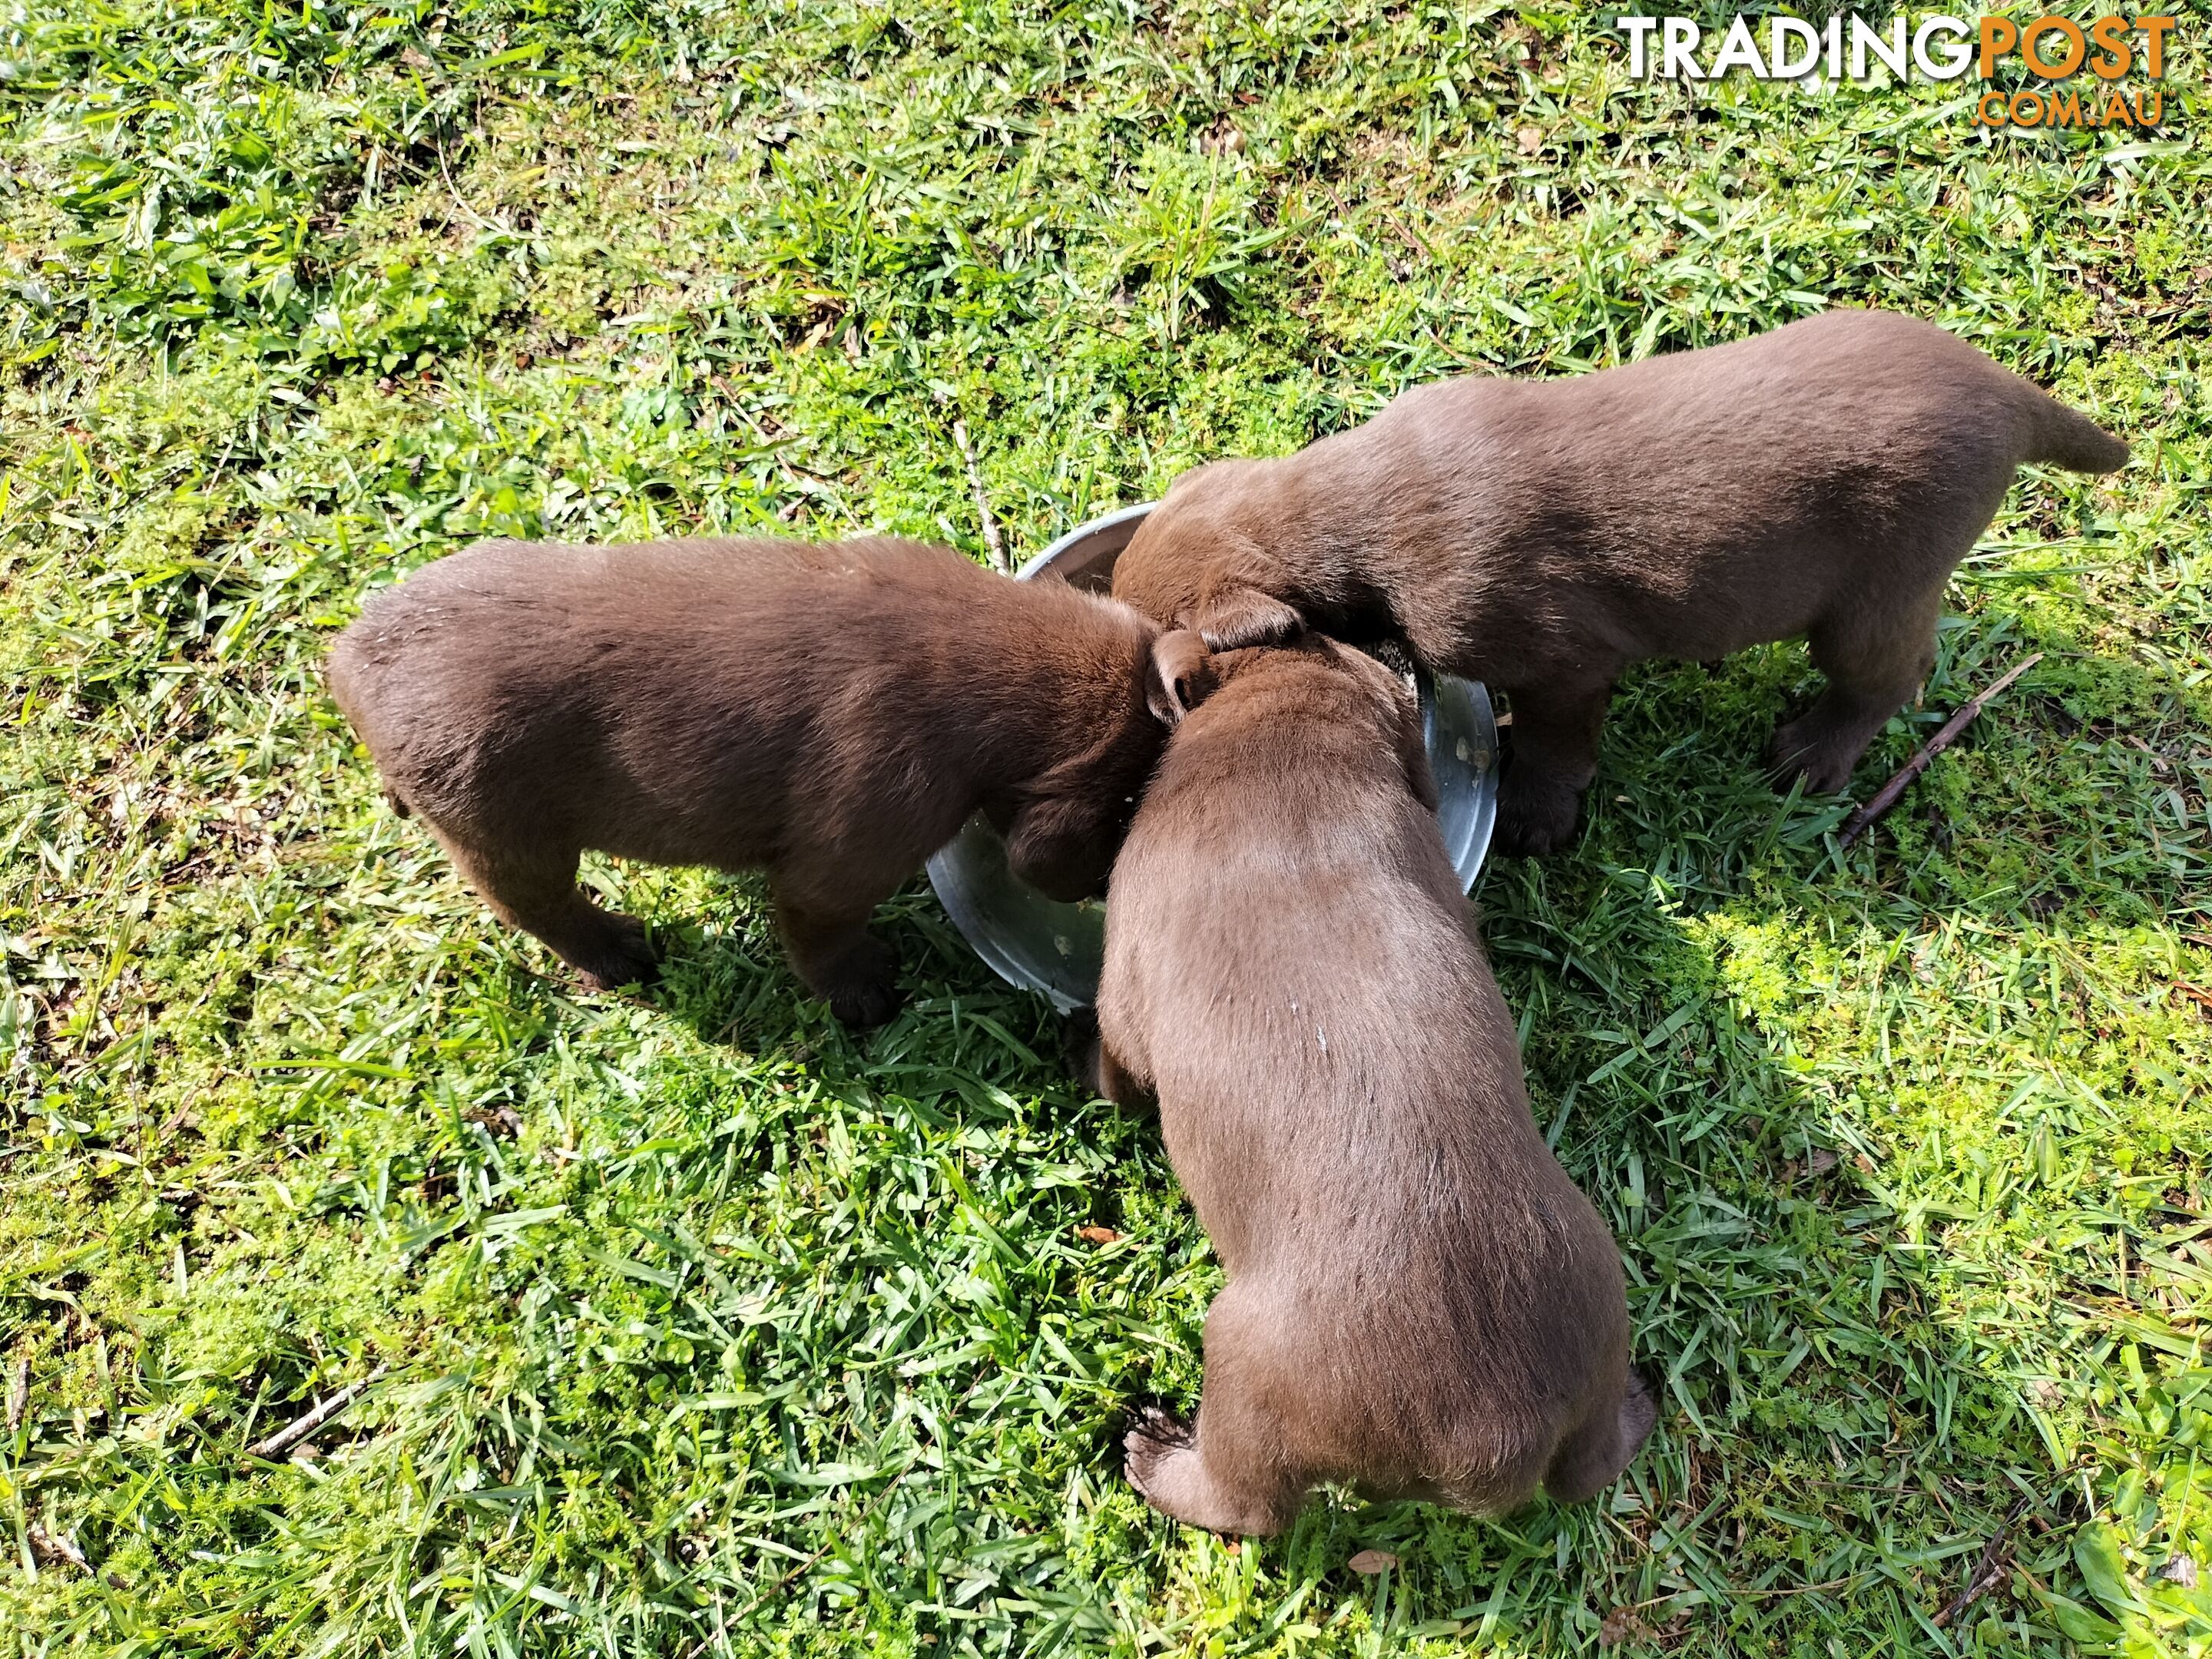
[701, 1325]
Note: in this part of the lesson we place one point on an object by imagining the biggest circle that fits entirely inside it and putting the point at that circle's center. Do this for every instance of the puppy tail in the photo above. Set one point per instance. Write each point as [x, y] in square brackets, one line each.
[2060, 436]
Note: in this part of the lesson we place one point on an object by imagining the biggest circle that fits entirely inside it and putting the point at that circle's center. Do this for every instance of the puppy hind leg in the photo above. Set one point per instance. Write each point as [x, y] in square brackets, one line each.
[1597, 1453]
[1230, 1471]
[535, 888]
[1554, 756]
[1096, 1066]
[1874, 658]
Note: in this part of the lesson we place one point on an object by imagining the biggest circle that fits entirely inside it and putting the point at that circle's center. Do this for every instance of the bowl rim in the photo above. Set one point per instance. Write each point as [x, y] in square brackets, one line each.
[1083, 532]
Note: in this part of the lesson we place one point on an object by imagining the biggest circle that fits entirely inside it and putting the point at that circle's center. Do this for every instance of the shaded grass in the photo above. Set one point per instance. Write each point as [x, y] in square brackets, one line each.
[711, 1328]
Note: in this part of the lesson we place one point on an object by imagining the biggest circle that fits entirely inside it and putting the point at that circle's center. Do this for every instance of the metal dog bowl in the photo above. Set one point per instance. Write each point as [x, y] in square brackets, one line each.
[1058, 949]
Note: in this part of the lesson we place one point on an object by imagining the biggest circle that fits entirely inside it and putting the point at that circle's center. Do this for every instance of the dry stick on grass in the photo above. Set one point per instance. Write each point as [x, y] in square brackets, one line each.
[1989, 1572]
[991, 537]
[284, 1439]
[1888, 795]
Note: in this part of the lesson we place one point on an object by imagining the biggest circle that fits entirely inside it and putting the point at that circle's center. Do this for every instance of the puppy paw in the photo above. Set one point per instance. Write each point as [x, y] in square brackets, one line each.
[1156, 1438]
[623, 957]
[1161, 1460]
[864, 1005]
[1534, 821]
[862, 989]
[1801, 749]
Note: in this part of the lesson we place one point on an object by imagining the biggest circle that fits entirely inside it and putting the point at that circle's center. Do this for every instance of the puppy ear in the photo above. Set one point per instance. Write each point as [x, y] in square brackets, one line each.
[1180, 676]
[1244, 615]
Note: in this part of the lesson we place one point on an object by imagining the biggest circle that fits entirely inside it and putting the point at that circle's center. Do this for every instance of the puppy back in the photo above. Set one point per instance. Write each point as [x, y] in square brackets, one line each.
[1284, 924]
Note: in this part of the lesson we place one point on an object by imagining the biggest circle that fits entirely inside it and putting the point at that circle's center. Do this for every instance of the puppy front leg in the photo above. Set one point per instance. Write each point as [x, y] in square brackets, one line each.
[1109, 1079]
[1555, 737]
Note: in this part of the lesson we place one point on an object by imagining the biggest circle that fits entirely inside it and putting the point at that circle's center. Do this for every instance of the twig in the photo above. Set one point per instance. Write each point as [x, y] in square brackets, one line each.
[461, 202]
[1989, 1572]
[1889, 793]
[991, 537]
[284, 1439]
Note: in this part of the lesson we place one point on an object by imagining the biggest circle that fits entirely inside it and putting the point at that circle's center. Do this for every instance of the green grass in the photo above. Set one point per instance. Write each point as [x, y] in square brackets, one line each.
[703, 1326]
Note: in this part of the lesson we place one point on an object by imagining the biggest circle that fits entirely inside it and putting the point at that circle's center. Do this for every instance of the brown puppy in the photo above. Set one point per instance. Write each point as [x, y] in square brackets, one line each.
[1419, 1301]
[1823, 479]
[832, 714]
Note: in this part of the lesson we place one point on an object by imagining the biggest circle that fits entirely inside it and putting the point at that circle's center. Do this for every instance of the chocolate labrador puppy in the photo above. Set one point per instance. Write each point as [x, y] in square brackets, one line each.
[1419, 1301]
[831, 714]
[1824, 479]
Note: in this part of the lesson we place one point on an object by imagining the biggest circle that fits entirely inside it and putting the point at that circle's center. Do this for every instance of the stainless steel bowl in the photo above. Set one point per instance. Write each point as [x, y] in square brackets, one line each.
[1058, 949]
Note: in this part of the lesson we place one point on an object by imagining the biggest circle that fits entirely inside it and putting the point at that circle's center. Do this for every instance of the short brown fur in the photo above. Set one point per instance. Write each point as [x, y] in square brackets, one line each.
[1823, 479]
[1419, 1301]
[831, 714]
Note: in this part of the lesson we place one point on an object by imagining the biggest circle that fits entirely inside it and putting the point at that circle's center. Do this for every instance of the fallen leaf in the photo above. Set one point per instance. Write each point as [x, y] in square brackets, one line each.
[50, 1547]
[1097, 1235]
[1618, 1627]
[1372, 1561]
[505, 1122]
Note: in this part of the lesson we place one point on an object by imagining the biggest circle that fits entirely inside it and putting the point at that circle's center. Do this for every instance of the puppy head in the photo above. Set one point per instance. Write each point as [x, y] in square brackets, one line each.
[1202, 559]
[1314, 683]
[1062, 841]
[1159, 571]
[1070, 821]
